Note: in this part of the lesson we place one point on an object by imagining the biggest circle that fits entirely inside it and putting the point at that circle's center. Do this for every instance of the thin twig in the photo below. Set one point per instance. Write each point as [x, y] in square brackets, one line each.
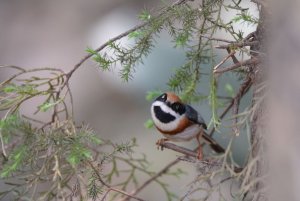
[33, 120]
[2, 145]
[252, 61]
[15, 67]
[106, 194]
[224, 60]
[234, 59]
[9, 146]
[217, 39]
[237, 44]
[230, 105]
[236, 102]
[27, 71]
[153, 178]
[110, 188]
[224, 97]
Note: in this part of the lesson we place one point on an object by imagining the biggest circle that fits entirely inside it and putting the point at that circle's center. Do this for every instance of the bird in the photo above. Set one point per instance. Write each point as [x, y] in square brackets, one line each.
[180, 122]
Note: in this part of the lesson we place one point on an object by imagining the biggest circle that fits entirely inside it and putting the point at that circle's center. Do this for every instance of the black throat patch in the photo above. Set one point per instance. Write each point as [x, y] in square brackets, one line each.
[163, 116]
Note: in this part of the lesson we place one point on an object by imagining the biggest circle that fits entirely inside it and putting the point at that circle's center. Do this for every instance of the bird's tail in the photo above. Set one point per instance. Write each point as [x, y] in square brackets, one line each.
[212, 143]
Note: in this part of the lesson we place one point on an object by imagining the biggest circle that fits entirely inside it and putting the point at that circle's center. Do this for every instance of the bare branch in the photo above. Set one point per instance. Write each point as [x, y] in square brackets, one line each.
[252, 61]
[234, 59]
[188, 152]
[224, 60]
[236, 102]
[237, 44]
[179, 149]
[217, 39]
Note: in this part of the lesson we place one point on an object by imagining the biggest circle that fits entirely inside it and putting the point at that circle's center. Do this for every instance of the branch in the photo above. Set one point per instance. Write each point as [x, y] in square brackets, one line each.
[234, 59]
[69, 74]
[8, 146]
[229, 49]
[252, 61]
[217, 39]
[236, 102]
[244, 88]
[110, 188]
[153, 178]
[190, 153]
[237, 44]
[231, 54]
[179, 149]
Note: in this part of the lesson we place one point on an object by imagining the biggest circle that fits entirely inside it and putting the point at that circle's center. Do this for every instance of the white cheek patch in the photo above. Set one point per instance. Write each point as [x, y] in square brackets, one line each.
[165, 126]
[165, 108]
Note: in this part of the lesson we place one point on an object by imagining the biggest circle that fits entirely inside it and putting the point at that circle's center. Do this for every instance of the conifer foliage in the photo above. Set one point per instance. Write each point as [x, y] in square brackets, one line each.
[60, 159]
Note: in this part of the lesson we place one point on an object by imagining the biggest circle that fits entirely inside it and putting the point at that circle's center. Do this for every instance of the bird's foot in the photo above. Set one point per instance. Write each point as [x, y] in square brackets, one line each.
[160, 143]
[200, 153]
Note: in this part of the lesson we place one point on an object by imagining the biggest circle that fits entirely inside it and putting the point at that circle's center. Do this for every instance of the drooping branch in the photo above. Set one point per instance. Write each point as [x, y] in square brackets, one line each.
[122, 35]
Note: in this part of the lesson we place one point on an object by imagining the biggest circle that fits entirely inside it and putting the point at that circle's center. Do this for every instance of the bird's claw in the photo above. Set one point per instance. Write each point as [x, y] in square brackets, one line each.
[160, 143]
[200, 153]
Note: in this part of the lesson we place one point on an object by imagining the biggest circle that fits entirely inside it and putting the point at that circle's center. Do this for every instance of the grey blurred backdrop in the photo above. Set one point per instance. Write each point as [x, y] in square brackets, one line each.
[39, 33]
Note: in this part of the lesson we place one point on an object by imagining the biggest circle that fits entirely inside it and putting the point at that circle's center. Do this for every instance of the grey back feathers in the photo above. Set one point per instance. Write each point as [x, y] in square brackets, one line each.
[194, 116]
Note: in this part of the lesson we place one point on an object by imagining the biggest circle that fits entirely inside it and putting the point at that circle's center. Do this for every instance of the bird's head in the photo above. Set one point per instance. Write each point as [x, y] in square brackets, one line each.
[167, 111]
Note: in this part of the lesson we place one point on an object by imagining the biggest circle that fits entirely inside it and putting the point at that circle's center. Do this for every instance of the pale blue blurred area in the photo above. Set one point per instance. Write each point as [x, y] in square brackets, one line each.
[158, 67]
[56, 34]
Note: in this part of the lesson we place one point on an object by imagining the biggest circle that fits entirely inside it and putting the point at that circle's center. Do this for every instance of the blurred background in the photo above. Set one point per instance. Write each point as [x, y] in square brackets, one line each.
[56, 33]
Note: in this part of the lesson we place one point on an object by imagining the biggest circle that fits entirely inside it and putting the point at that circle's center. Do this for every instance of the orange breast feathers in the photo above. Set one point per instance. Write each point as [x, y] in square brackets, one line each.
[183, 124]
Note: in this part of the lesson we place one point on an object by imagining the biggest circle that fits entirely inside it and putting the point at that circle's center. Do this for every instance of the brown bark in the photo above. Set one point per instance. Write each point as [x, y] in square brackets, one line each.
[259, 108]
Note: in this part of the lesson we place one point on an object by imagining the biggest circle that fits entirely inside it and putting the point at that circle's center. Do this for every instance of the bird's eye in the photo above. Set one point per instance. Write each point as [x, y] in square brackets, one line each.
[177, 106]
[162, 98]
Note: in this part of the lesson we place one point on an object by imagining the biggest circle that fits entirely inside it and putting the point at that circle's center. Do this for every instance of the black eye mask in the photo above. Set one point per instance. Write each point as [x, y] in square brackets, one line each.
[178, 108]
